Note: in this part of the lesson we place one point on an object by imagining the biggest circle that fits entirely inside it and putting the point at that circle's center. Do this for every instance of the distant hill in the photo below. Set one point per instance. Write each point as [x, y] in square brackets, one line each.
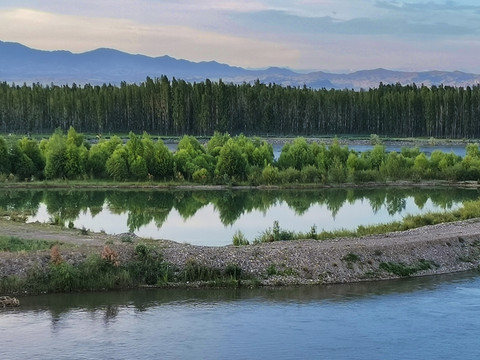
[20, 64]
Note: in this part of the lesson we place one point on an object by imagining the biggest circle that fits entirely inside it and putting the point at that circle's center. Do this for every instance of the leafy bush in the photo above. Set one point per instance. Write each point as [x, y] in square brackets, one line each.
[275, 233]
[270, 175]
[234, 271]
[239, 239]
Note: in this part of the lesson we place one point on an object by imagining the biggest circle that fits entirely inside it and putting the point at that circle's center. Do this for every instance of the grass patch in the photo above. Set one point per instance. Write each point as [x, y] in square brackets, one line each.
[273, 270]
[351, 257]
[14, 244]
[404, 270]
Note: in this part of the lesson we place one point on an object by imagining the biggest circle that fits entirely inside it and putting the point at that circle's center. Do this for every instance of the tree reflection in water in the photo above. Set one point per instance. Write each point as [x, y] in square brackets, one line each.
[143, 207]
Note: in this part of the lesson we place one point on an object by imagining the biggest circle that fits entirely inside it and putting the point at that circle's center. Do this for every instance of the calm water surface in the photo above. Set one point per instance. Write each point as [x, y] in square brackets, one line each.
[428, 318]
[212, 217]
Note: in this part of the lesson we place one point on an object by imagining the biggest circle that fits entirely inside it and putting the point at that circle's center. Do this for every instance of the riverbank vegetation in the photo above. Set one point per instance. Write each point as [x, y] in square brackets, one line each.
[469, 210]
[104, 270]
[175, 107]
[223, 160]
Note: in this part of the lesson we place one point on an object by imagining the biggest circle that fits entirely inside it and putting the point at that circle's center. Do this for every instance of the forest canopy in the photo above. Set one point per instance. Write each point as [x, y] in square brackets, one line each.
[174, 108]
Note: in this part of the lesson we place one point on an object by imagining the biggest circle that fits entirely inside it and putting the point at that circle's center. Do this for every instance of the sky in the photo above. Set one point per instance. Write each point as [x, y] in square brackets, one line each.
[329, 35]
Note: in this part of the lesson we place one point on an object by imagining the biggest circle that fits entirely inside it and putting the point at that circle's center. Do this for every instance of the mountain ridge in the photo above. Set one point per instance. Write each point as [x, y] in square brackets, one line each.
[22, 64]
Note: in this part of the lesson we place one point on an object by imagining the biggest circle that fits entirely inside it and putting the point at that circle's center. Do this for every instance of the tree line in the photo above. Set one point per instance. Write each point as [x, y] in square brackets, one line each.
[223, 160]
[175, 107]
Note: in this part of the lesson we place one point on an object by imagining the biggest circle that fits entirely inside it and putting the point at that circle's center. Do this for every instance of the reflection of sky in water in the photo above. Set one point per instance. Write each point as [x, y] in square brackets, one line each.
[205, 227]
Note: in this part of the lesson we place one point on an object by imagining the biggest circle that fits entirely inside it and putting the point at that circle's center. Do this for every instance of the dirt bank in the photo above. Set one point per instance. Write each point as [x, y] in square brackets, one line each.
[428, 250]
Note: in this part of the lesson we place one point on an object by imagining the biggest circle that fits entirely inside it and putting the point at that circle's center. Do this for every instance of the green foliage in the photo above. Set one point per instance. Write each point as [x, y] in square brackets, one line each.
[117, 165]
[4, 158]
[395, 166]
[138, 168]
[231, 162]
[337, 172]
[200, 176]
[148, 266]
[311, 174]
[290, 176]
[270, 175]
[234, 271]
[238, 160]
[375, 139]
[376, 157]
[175, 107]
[195, 271]
[216, 143]
[273, 270]
[275, 233]
[76, 155]
[351, 257]
[403, 270]
[421, 166]
[14, 244]
[297, 155]
[97, 159]
[163, 165]
[239, 239]
[55, 157]
[158, 159]
[32, 150]
[22, 165]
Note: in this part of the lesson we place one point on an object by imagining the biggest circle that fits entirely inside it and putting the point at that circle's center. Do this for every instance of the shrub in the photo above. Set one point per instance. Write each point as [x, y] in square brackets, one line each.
[110, 256]
[234, 271]
[200, 176]
[275, 233]
[239, 239]
[270, 175]
[290, 176]
[55, 257]
[351, 257]
[311, 174]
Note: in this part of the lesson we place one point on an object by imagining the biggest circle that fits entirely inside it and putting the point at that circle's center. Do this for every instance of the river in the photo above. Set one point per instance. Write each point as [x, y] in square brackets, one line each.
[422, 318]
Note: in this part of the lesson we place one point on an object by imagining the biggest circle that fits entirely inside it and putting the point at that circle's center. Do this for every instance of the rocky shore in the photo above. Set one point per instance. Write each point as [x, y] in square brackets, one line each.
[429, 250]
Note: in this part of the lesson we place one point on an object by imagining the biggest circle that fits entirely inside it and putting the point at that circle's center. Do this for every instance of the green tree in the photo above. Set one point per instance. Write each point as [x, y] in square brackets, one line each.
[31, 149]
[55, 157]
[22, 165]
[297, 155]
[76, 155]
[117, 164]
[4, 158]
[231, 162]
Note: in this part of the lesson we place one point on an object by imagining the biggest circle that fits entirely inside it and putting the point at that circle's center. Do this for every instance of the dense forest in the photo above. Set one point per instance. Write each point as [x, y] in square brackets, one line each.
[174, 107]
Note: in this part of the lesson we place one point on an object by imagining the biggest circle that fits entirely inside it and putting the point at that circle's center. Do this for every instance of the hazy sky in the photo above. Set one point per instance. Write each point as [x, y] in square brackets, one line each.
[330, 35]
